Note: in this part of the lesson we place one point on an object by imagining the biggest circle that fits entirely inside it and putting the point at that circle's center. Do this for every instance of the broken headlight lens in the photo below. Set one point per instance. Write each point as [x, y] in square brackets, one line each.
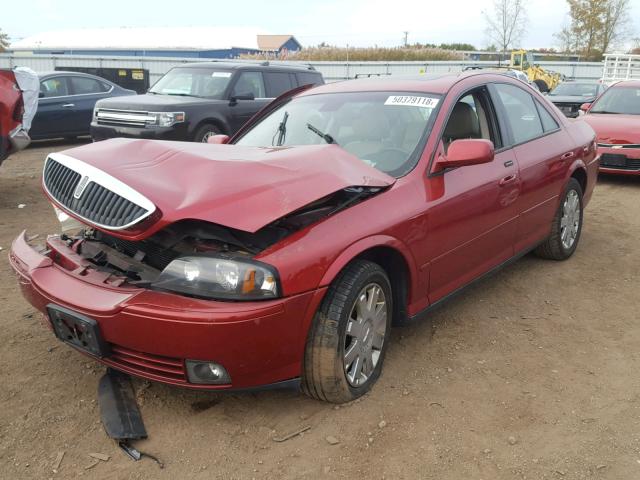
[219, 278]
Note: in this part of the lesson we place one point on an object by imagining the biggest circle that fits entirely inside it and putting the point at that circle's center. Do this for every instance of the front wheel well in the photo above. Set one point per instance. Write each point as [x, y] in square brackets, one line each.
[210, 121]
[581, 176]
[395, 265]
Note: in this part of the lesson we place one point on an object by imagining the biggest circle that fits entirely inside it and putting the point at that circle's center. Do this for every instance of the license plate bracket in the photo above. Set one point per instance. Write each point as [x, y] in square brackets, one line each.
[77, 330]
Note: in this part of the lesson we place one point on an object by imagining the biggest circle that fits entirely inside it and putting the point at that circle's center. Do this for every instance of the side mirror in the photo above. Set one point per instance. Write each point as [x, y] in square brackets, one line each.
[462, 153]
[218, 139]
[585, 106]
[241, 96]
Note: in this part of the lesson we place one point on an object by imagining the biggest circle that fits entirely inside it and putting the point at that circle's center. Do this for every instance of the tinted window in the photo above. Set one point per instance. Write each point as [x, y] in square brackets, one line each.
[309, 78]
[548, 122]
[521, 112]
[383, 129]
[277, 83]
[83, 85]
[54, 87]
[250, 83]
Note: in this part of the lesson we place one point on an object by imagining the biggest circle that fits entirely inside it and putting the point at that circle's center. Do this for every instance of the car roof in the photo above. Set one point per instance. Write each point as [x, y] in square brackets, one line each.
[427, 83]
[265, 65]
[54, 73]
[627, 83]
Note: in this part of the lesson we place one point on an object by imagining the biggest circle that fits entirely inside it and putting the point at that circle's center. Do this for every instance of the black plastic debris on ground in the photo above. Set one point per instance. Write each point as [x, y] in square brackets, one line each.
[120, 414]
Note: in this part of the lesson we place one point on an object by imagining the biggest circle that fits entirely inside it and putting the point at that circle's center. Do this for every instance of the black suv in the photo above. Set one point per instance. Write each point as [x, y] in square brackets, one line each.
[197, 100]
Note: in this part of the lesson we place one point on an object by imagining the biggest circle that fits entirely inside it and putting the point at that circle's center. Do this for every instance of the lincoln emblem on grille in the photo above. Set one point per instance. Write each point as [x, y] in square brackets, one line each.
[77, 193]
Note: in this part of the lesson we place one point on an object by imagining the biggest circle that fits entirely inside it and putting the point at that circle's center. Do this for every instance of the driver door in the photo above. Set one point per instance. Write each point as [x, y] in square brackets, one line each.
[472, 224]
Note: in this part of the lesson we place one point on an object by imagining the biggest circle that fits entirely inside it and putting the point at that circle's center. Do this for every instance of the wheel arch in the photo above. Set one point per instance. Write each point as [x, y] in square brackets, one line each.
[217, 122]
[393, 256]
[580, 174]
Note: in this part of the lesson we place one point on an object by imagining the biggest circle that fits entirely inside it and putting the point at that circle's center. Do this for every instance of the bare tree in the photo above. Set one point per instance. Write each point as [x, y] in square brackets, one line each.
[506, 23]
[4, 41]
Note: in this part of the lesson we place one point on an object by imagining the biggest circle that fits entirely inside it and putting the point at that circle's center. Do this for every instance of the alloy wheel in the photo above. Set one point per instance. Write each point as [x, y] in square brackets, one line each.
[570, 221]
[365, 334]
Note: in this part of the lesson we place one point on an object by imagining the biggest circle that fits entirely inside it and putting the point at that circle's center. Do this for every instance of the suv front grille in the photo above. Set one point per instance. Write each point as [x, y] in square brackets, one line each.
[128, 118]
[82, 195]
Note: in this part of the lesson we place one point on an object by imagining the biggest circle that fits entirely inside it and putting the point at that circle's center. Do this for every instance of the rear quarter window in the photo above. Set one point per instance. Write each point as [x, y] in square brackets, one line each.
[305, 78]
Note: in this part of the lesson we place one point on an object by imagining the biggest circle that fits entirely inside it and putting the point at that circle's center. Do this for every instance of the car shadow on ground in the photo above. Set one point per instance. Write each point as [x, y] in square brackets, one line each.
[58, 142]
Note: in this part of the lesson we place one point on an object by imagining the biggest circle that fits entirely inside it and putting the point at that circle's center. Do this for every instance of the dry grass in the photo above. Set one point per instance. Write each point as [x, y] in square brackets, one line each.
[366, 54]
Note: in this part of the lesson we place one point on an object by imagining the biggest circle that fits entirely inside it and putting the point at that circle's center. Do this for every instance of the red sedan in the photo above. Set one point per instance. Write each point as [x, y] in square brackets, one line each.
[283, 256]
[615, 116]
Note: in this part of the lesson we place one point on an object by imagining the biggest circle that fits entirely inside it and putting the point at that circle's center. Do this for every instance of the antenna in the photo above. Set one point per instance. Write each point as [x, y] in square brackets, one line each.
[406, 38]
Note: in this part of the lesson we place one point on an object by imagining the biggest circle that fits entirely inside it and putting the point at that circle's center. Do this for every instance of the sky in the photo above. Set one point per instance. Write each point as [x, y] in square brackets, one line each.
[337, 22]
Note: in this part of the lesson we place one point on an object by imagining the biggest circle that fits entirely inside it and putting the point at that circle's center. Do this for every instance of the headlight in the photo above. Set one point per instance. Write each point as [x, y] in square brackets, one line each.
[166, 119]
[220, 278]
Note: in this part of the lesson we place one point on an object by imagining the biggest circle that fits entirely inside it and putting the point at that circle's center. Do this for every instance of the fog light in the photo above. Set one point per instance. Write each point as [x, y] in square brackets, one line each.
[206, 372]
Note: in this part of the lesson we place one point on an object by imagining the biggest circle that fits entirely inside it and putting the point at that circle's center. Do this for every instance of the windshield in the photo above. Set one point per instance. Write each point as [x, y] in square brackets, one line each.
[625, 100]
[193, 82]
[570, 89]
[383, 129]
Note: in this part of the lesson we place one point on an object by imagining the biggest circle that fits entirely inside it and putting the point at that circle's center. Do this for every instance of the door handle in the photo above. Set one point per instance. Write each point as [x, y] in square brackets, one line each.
[68, 105]
[507, 180]
[567, 156]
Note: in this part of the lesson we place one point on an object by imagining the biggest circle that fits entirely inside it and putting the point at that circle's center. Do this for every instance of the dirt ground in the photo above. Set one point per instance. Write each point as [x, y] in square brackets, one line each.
[532, 374]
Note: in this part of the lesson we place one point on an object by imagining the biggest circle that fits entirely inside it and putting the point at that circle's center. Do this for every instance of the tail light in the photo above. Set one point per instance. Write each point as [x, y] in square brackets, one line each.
[18, 111]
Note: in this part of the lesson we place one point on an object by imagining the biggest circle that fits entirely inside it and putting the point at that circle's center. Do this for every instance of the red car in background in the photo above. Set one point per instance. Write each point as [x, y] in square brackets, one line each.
[615, 117]
[18, 104]
[11, 110]
[283, 256]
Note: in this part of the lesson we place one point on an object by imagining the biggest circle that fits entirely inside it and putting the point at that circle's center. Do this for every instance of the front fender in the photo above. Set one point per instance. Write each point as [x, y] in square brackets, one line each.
[362, 245]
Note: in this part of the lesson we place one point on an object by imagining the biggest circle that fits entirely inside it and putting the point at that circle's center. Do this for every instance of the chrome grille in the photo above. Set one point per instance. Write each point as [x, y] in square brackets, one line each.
[79, 193]
[130, 118]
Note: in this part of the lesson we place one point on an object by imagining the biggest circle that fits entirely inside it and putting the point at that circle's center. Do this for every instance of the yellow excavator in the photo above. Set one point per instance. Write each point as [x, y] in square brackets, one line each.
[545, 80]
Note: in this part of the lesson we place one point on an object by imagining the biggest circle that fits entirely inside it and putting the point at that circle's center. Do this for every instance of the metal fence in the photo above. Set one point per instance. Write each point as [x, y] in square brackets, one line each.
[332, 71]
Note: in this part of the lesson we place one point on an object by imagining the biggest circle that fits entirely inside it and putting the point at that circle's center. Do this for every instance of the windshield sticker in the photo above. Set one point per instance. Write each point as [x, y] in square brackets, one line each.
[221, 74]
[412, 101]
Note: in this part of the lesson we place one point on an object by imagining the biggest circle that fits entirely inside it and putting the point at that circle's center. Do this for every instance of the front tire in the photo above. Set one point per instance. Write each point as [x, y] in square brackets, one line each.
[205, 132]
[567, 225]
[349, 336]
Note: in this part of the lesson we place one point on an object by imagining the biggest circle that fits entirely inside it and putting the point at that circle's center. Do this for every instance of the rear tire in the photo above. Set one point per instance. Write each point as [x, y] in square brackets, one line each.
[542, 85]
[204, 132]
[566, 226]
[352, 325]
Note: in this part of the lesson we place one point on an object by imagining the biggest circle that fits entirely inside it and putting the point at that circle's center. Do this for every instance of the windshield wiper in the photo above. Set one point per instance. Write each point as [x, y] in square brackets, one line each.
[325, 136]
[604, 111]
[282, 130]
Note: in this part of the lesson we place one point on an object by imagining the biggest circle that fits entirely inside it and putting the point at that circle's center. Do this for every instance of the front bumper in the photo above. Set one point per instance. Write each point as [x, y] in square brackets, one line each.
[619, 161]
[104, 132]
[151, 334]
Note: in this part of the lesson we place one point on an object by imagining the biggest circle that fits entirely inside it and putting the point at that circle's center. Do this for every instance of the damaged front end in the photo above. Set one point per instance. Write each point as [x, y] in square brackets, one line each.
[193, 257]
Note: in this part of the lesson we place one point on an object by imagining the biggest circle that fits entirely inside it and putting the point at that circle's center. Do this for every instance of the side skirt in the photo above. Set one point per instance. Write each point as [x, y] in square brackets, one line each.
[421, 315]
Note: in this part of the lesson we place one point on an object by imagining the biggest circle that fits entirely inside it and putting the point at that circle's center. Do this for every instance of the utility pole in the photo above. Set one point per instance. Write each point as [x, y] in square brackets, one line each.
[406, 39]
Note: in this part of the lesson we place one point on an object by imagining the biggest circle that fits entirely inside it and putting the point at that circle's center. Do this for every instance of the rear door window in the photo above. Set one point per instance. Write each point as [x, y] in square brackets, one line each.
[250, 83]
[277, 83]
[54, 87]
[521, 112]
[84, 85]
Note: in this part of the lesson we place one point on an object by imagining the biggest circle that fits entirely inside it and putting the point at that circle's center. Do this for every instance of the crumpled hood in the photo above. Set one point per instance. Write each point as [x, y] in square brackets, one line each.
[615, 128]
[244, 188]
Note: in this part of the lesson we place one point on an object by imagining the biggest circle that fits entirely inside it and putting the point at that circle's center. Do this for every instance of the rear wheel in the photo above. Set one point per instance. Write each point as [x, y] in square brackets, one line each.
[348, 339]
[205, 132]
[566, 226]
[542, 85]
